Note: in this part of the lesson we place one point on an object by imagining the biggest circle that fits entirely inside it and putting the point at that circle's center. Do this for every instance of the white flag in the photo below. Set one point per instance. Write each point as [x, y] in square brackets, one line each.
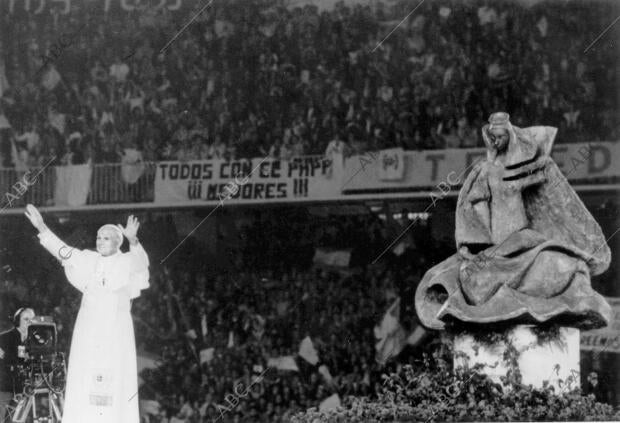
[417, 335]
[206, 355]
[324, 371]
[389, 323]
[391, 335]
[149, 407]
[308, 352]
[283, 363]
[146, 360]
[332, 257]
[330, 403]
[203, 325]
[72, 185]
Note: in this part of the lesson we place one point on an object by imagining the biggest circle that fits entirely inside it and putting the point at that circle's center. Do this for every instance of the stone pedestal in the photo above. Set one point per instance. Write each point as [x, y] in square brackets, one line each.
[552, 360]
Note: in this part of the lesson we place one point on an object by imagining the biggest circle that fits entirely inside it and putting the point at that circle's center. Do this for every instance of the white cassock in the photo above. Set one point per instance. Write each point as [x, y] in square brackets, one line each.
[102, 380]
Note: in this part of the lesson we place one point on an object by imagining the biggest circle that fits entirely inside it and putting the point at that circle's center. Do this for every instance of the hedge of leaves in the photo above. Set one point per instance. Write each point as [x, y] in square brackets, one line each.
[434, 392]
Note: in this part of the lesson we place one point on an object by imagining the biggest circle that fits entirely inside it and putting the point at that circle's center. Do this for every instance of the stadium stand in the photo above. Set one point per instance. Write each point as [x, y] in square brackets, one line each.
[255, 78]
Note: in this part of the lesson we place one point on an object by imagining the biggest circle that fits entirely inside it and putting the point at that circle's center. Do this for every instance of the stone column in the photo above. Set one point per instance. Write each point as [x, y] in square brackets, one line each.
[540, 358]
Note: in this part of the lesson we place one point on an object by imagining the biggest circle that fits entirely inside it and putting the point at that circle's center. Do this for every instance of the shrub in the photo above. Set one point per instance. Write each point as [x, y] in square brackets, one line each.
[434, 392]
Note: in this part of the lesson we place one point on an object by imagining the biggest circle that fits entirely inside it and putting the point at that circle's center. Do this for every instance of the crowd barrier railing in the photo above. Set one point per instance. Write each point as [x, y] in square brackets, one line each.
[19, 187]
[107, 186]
[392, 173]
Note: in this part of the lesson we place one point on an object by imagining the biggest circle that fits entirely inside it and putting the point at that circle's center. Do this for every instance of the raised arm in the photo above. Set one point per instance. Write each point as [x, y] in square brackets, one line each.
[48, 239]
[72, 259]
[140, 260]
[35, 218]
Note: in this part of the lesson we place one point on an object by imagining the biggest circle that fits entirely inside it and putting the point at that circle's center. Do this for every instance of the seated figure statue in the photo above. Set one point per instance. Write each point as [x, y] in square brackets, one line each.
[526, 244]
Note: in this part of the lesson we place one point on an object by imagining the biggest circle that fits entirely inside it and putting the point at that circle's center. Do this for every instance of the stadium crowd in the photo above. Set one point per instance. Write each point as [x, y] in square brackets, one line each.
[259, 309]
[255, 78]
[258, 306]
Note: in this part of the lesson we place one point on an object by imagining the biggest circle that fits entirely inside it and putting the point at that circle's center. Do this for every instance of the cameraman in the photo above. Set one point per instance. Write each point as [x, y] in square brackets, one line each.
[10, 357]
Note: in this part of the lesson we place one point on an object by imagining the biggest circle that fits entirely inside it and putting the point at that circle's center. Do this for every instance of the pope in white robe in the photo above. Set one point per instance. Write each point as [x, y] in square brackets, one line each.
[102, 380]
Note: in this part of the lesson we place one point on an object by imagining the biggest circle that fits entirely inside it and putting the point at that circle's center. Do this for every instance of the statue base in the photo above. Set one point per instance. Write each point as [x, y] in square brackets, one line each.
[550, 358]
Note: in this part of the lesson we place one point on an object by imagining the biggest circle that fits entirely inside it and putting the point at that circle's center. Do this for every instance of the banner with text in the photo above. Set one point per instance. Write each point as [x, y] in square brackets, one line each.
[366, 174]
[374, 175]
[246, 181]
[606, 339]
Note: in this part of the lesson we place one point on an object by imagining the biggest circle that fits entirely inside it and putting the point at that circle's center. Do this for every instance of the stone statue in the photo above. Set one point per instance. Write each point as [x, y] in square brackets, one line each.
[526, 244]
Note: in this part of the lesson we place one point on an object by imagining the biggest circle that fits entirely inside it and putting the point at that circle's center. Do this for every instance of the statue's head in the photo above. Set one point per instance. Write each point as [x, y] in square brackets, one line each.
[499, 135]
[515, 146]
[109, 240]
[498, 130]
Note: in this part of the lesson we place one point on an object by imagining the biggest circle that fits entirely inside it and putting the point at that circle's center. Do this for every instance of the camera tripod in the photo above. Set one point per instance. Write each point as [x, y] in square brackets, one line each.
[42, 406]
[42, 399]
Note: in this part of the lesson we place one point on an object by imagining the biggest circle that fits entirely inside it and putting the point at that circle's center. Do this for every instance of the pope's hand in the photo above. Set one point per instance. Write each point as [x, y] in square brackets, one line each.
[131, 229]
[35, 217]
[1, 353]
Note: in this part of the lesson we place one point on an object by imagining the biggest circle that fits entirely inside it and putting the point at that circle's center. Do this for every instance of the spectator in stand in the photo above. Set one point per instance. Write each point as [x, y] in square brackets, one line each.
[29, 136]
[119, 70]
[6, 144]
[336, 147]
[319, 81]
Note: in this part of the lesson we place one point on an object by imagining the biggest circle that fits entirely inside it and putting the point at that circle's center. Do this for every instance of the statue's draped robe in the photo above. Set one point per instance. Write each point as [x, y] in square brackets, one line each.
[526, 246]
[102, 381]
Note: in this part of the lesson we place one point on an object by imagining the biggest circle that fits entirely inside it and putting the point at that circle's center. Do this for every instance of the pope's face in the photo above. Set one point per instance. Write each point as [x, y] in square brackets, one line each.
[499, 137]
[107, 242]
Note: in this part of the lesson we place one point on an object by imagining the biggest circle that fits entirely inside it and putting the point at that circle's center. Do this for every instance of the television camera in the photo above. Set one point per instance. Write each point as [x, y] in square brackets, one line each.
[43, 375]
